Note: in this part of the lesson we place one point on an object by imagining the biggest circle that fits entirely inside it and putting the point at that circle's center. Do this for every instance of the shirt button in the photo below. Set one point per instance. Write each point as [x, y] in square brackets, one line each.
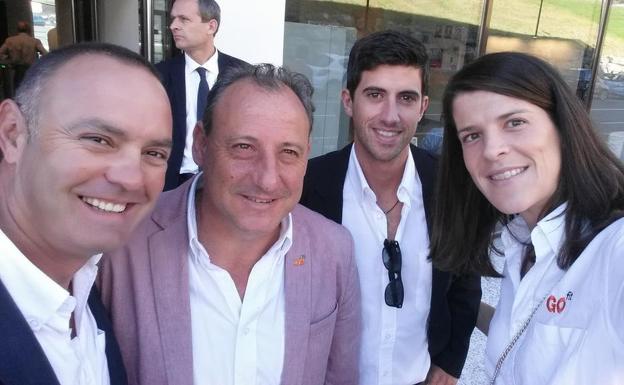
[246, 331]
[34, 324]
[387, 336]
[386, 373]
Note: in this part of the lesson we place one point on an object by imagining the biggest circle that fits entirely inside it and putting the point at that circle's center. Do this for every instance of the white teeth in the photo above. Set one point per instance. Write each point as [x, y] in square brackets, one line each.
[260, 200]
[508, 174]
[105, 206]
[387, 133]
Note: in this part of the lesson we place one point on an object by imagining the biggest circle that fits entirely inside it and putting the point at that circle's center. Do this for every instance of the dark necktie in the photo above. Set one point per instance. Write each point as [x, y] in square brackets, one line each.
[202, 93]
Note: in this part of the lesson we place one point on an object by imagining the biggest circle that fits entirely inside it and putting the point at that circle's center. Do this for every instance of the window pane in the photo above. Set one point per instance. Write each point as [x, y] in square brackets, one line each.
[608, 103]
[562, 32]
[320, 34]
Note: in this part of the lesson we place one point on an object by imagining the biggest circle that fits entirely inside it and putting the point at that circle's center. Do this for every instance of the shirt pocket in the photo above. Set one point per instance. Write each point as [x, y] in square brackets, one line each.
[544, 349]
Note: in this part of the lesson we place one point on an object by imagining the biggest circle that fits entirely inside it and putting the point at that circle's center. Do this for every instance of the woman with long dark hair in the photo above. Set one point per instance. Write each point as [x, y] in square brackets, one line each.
[519, 149]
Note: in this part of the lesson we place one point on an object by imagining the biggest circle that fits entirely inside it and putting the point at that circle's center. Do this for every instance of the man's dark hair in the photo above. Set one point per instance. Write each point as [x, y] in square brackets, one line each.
[31, 89]
[591, 178]
[386, 47]
[266, 76]
[24, 27]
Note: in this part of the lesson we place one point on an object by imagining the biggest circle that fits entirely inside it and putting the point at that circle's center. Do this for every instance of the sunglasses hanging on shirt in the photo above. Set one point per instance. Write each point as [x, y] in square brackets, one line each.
[391, 256]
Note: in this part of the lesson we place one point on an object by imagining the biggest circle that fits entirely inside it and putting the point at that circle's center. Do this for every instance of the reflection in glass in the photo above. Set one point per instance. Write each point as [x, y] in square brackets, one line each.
[562, 32]
[319, 35]
[607, 110]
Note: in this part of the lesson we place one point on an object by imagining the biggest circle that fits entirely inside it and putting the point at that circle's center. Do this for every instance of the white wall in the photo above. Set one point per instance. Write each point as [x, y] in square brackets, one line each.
[118, 23]
[252, 30]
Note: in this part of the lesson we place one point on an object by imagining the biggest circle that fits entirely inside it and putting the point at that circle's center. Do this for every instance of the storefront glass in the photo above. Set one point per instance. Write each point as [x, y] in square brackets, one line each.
[319, 35]
[607, 110]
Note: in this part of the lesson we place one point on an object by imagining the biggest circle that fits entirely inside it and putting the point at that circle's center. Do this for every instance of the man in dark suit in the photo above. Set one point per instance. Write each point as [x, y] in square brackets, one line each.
[187, 78]
[83, 152]
[417, 321]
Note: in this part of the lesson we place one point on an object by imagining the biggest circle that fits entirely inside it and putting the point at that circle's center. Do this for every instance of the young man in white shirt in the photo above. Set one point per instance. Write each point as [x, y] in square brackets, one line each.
[83, 152]
[417, 320]
[194, 24]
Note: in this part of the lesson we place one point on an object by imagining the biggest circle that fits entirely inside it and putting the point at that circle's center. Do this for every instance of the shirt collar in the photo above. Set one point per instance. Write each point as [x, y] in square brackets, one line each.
[212, 65]
[549, 232]
[37, 295]
[197, 250]
[407, 192]
[546, 236]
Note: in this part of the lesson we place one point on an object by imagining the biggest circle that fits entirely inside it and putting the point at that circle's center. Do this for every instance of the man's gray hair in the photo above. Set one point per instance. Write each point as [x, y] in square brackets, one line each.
[266, 76]
[208, 10]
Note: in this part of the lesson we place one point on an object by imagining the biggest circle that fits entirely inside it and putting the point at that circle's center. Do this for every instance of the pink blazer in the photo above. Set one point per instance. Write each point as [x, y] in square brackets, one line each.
[146, 290]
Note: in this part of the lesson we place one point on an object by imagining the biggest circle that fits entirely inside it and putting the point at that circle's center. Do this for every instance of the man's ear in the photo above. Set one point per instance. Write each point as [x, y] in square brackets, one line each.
[214, 26]
[347, 103]
[13, 131]
[424, 105]
[199, 143]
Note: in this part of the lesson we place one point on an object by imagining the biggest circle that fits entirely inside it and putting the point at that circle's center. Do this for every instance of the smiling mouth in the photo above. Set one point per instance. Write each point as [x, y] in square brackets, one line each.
[103, 205]
[508, 174]
[386, 133]
[258, 200]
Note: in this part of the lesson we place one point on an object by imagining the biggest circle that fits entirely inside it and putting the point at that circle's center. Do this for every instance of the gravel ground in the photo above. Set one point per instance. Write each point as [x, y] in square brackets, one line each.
[473, 373]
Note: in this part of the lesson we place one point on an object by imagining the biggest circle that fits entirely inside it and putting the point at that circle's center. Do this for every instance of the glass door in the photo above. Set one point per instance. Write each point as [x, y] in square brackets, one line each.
[607, 108]
[156, 41]
[562, 32]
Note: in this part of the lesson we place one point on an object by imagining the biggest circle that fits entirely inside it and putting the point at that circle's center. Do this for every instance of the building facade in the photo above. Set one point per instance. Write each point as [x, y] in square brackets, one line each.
[583, 39]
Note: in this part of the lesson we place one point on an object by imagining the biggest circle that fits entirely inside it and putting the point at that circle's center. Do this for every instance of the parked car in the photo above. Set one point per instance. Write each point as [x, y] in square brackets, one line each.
[610, 85]
[39, 20]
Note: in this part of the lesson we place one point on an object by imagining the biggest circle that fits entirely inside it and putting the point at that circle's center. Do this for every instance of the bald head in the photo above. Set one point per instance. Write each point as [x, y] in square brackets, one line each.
[91, 163]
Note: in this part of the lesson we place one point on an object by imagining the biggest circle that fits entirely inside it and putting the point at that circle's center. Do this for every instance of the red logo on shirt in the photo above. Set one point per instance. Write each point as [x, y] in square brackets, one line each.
[555, 305]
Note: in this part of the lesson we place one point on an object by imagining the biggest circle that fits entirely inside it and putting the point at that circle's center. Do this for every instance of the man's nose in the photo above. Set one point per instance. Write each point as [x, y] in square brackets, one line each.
[127, 171]
[267, 173]
[390, 113]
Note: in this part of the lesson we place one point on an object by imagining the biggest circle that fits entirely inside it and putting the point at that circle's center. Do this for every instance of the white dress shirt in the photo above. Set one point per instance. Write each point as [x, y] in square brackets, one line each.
[47, 307]
[394, 341]
[577, 334]
[192, 86]
[237, 342]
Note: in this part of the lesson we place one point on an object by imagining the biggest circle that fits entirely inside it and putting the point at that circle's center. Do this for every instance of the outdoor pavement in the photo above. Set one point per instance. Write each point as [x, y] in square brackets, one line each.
[473, 373]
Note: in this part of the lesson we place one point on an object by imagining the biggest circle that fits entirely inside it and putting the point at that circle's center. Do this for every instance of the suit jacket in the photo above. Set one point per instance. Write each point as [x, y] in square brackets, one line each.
[145, 286]
[22, 360]
[173, 78]
[454, 300]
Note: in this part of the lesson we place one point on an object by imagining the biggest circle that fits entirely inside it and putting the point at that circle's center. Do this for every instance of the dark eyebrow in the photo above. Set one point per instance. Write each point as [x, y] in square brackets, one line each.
[110, 129]
[373, 89]
[379, 89]
[512, 112]
[410, 93]
[469, 128]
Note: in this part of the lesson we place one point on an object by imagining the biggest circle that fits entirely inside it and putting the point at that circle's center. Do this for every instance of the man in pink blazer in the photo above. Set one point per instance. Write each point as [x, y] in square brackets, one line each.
[231, 281]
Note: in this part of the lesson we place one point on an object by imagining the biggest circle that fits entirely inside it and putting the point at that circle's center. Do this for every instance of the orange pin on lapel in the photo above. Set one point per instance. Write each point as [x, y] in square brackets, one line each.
[300, 261]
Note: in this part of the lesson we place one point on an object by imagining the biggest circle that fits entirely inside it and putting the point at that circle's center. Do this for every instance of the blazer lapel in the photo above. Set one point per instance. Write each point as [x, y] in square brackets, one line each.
[178, 85]
[327, 179]
[168, 251]
[297, 287]
[116, 369]
[426, 168]
[22, 360]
